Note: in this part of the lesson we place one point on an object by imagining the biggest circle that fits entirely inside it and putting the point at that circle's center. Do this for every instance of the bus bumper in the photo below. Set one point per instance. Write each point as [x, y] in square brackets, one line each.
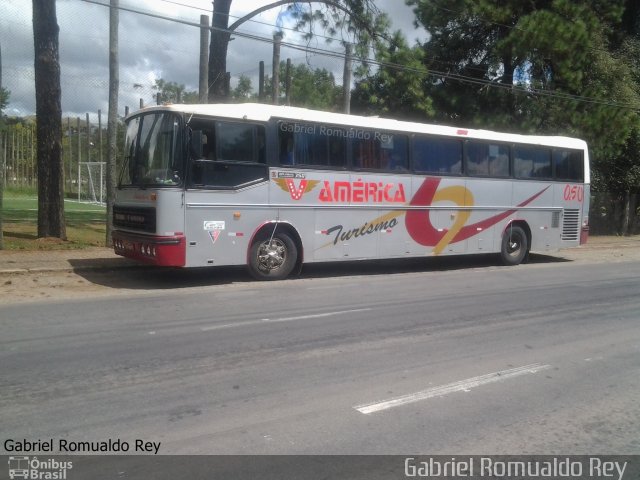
[165, 251]
[584, 235]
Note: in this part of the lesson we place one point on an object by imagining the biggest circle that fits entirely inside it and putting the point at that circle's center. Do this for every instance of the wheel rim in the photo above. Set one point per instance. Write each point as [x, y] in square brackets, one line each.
[272, 255]
[514, 245]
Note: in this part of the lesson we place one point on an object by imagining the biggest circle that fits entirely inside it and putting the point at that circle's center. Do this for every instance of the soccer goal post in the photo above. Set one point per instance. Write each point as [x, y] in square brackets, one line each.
[91, 182]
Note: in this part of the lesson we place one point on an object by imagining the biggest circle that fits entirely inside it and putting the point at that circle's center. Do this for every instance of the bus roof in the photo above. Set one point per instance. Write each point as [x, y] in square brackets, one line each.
[262, 113]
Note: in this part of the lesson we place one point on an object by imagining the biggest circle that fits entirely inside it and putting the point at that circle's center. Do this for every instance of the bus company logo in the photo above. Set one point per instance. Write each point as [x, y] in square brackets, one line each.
[296, 190]
[213, 228]
[362, 192]
[33, 468]
[422, 231]
[382, 224]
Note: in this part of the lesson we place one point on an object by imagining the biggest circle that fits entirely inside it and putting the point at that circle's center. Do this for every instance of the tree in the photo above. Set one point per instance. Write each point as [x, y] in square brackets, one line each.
[519, 65]
[539, 66]
[51, 222]
[309, 88]
[618, 172]
[358, 18]
[314, 89]
[398, 87]
[243, 91]
[172, 92]
[4, 100]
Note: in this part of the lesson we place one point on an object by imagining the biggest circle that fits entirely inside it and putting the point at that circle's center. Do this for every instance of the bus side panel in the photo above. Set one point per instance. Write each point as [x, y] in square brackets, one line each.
[326, 244]
[296, 193]
[572, 198]
[533, 203]
[438, 212]
[375, 227]
[220, 223]
[171, 219]
[490, 200]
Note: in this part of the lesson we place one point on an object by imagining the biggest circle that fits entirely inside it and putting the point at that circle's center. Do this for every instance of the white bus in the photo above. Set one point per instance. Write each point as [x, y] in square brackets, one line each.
[272, 187]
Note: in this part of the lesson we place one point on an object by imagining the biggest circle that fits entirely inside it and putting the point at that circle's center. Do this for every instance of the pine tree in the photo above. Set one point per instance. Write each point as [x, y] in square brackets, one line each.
[51, 221]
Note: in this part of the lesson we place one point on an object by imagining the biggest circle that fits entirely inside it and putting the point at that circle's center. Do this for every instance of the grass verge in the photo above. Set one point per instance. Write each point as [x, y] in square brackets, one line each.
[86, 225]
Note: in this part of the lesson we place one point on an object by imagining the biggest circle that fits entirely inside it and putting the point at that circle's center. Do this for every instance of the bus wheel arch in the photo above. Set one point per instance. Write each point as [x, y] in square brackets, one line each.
[516, 243]
[275, 252]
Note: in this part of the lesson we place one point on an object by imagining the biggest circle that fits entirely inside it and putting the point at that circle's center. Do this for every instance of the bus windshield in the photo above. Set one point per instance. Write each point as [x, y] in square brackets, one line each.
[153, 154]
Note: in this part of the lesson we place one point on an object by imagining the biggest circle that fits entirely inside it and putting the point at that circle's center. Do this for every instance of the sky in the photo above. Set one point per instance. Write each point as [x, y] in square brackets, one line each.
[149, 49]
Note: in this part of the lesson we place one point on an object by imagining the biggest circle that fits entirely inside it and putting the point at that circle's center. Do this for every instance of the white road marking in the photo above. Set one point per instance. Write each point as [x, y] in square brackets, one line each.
[283, 319]
[461, 386]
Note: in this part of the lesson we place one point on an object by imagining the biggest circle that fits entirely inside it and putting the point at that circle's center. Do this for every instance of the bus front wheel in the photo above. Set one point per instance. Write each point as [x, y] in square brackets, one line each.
[515, 245]
[273, 258]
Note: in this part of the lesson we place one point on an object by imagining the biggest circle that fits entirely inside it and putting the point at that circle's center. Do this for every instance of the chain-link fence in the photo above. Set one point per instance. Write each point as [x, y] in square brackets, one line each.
[84, 185]
[614, 214]
[159, 44]
[84, 149]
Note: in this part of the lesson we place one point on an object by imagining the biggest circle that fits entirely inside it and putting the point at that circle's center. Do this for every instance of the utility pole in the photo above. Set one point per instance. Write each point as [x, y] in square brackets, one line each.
[275, 79]
[261, 82]
[203, 91]
[220, 37]
[112, 116]
[2, 158]
[287, 83]
[346, 79]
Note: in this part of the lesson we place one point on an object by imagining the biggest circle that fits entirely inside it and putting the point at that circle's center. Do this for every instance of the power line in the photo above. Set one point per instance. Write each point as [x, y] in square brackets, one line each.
[234, 17]
[421, 71]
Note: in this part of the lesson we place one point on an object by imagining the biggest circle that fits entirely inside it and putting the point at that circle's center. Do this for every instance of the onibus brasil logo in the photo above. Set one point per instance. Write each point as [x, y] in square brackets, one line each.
[33, 468]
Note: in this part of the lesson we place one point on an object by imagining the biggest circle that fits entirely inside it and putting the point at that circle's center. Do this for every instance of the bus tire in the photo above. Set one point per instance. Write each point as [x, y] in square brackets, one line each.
[272, 258]
[515, 245]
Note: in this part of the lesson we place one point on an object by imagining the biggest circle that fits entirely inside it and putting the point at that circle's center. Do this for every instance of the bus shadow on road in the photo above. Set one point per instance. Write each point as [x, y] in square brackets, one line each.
[141, 277]
[415, 265]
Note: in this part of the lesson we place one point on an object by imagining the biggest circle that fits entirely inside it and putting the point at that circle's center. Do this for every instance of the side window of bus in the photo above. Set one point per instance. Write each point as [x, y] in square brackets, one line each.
[239, 142]
[233, 155]
[531, 162]
[436, 155]
[568, 165]
[487, 159]
[381, 151]
[311, 145]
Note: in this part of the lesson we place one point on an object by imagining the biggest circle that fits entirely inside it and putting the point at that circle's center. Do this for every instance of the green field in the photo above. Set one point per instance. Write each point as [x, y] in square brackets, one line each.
[85, 224]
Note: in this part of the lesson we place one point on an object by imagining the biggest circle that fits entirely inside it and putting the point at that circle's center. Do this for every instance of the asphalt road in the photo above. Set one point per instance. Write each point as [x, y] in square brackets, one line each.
[469, 358]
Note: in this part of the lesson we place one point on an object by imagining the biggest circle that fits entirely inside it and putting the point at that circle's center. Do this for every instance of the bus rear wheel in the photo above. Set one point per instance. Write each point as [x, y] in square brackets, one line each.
[515, 245]
[273, 258]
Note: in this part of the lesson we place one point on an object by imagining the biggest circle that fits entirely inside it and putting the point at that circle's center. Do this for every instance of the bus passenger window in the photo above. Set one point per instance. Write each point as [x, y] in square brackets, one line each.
[395, 151]
[531, 162]
[437, 155]
[568, 165]
[478, 159]
[286, 150]
[380, 151]
[337, 152]
[487, 159]
[311, 145]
